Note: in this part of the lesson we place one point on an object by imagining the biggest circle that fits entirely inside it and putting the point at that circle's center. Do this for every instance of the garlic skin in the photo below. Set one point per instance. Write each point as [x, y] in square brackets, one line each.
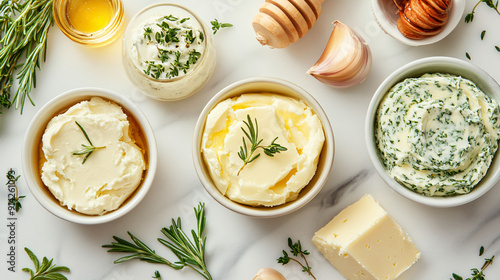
[267, 273]
[346, 60]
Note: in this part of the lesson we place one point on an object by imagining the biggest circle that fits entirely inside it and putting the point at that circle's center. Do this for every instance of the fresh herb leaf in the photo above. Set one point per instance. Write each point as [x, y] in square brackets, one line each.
[296, 250]
[467, 55]
[470, 16]
[44, 270]
[171, 18]
[24, 26]
[12, 179]
[482, 34]
[87, 150]
[497, 48]
[157, 275]
[147, 33]
[184, 20]
[477, 274]
[216, 25]
[190, 252]
[253, 136]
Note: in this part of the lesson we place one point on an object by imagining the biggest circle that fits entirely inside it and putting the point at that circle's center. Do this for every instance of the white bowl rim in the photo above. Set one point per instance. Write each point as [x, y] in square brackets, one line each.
[455, 17]
[268, 212]
[35, 126]
[391, 80]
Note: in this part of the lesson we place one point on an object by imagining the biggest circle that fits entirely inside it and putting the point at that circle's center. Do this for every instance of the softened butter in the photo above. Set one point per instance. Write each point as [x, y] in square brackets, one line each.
[437, 134]
[364, 243]
[109, 175]
[266, 181]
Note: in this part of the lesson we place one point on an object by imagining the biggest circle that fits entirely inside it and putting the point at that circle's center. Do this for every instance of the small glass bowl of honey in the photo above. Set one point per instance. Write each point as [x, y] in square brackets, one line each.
[94, 23]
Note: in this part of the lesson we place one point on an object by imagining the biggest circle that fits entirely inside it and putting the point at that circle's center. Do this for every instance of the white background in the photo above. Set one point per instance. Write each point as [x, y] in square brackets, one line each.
[238, 246]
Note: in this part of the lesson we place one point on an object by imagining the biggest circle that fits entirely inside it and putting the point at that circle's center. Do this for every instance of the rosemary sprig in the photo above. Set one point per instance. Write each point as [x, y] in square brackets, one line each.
[296, 249]
[216, 25]
[477, 274]
[87, 150]
[12, 179]
[470, 16]
[24, 27]
[253, 135]
[45, 270]
[191, 253]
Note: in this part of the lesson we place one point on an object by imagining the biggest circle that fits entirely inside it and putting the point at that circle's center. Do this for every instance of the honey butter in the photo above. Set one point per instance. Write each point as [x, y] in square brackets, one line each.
[102, 181]
[268, 180]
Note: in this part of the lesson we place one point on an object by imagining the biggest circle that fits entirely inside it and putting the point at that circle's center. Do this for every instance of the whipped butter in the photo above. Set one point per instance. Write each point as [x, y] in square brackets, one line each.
[364, 242]
[167, 52]
[267, 181]
[437, 134]
[109, 175]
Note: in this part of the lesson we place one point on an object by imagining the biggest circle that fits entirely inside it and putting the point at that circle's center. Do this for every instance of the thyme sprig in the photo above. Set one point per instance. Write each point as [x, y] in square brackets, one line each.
[87, 150]
[477, 274]
[24, 27]
[45, 270]
[470, 16]
[12, 179]
[296, 250]
[253, 136]
[216, 25]
[191, 253]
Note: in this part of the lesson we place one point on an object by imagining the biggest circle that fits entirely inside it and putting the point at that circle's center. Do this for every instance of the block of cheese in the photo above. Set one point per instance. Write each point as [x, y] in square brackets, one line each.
[364, 242]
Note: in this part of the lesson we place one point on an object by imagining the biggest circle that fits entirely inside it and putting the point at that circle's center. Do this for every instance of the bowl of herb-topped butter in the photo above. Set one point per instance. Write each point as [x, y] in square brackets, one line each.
[432, 131]
[89, 156]
[168, 52]
[263, 147]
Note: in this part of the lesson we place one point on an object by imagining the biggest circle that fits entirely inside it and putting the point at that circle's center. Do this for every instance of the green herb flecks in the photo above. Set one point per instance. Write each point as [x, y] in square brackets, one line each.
[253, 136]
[296, 250]
[467, 55]
[191, 253]
[470, 16]
[24, 26]
[12, 179]
[87, 150]
[477, 274]
[45, 270]
[482, 34]
[216, 25]
[168, 35]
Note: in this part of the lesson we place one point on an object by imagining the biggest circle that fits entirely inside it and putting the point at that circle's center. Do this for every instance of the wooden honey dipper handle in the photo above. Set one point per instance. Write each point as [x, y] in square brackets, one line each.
[282, 22]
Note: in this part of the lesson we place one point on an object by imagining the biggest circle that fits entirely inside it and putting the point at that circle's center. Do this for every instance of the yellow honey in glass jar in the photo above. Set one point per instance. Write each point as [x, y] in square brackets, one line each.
[90, 22]
[89, 15]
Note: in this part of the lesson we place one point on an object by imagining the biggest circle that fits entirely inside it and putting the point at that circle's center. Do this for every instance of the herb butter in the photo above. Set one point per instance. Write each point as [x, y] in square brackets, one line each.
[167, 52]
[109, 176]
[268, 180]
[437, 134]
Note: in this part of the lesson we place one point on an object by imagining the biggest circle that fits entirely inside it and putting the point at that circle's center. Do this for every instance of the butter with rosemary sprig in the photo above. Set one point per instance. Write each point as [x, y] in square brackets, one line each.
[269, 180]
[97, 182]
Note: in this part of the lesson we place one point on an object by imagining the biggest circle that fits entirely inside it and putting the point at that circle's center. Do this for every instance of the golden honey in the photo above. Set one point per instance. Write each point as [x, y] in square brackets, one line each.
[93, 23]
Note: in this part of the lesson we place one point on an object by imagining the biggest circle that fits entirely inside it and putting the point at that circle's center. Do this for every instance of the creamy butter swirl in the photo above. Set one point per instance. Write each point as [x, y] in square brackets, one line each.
[109, 175]
[267, 181]
[437, 134]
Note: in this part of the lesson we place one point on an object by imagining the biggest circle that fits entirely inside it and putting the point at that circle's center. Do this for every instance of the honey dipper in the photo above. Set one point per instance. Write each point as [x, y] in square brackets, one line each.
[282, 22]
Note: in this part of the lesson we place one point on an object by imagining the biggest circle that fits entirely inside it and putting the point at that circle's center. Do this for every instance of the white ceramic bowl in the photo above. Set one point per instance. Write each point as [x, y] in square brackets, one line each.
[386, 14]
[285, 88]
[415, 69]
[31, 151]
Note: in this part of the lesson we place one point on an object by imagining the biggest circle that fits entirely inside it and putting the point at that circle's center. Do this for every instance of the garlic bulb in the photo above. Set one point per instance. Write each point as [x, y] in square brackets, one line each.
[346, 60]
[267, 273]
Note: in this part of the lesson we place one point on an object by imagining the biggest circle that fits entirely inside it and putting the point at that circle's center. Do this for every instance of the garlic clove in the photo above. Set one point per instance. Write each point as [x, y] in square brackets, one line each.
[267, 273]
[346, 60]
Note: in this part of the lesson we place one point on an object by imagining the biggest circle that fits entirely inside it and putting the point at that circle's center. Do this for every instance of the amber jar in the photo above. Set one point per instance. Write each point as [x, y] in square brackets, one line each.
[93, 23]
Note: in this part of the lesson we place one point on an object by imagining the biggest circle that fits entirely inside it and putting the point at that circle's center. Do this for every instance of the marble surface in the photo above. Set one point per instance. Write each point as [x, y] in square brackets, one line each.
[237, 246]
